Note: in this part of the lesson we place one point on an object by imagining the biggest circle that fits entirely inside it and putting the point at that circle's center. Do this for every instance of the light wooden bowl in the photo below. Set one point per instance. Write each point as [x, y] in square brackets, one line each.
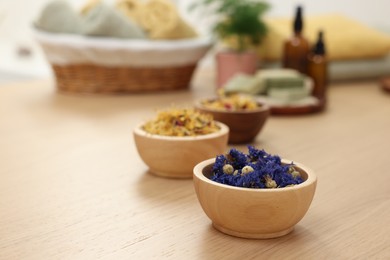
[253, 213]
[244, 125]
[175, 157]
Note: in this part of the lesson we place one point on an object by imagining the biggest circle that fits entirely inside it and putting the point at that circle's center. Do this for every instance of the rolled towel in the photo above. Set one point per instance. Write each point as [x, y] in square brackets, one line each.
[89, 6]
[59, 17]
[102, 20]
[130, 8]
[162, 20]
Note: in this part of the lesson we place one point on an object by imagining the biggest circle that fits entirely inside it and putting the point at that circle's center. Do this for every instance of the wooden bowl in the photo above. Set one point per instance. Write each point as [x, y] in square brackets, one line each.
[175, 157]
[385, 84]
[244, 125]
[253, 213]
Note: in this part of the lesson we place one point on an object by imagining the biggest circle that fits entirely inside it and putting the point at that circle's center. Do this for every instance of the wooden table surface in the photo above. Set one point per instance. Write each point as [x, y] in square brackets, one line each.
[72, 185]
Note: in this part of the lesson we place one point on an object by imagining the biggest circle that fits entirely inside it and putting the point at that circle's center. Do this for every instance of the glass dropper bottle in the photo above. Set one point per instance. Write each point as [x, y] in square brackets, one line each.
[296, 48]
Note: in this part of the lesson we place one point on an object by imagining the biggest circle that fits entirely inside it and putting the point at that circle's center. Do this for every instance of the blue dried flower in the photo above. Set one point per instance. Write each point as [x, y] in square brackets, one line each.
[257, 169]
[237, 158]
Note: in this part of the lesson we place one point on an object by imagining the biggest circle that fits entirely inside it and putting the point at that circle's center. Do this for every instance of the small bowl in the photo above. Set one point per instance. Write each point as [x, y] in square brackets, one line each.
[244, 125]
[253, 213]
[175, 157]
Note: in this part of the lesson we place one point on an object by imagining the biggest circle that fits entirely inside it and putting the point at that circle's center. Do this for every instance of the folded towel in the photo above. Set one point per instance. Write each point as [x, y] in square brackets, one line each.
[162, 20]
[59, 17]
[346, 38]
[102, 20]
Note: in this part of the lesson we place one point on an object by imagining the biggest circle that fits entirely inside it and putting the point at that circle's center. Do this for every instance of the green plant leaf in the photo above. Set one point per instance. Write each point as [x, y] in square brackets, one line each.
[238, 18]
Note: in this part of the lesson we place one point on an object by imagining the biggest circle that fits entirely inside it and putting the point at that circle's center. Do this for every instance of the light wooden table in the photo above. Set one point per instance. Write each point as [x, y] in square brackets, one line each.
[72, 185]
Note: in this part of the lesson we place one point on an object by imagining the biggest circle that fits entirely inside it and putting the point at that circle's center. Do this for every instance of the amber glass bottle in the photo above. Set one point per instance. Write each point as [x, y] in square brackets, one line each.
[297, 47]
[318, 68]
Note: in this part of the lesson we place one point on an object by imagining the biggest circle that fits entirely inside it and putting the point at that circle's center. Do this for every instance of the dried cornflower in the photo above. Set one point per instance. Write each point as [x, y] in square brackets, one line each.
[257, 169]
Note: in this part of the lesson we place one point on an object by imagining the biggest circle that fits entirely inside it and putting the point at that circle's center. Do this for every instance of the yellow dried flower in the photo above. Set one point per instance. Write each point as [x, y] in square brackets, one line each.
[181, 122]
[228, 169]
[235, 102]
[269, 182]
[293, 172]
[247, 169]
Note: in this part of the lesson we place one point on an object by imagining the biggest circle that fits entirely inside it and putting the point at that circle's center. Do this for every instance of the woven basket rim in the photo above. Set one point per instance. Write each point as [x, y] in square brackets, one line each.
[118, 43]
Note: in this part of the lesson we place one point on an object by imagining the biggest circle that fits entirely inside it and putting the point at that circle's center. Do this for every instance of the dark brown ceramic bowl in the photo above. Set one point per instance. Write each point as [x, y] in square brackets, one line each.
[385, 84]
[244, 125]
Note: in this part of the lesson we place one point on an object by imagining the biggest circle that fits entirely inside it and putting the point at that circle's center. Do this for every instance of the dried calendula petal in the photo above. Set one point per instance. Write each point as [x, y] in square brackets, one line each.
[232, 103]
[181, 122]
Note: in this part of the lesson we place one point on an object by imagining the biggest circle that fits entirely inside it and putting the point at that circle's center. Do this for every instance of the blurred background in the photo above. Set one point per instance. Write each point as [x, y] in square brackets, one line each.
[22, 58]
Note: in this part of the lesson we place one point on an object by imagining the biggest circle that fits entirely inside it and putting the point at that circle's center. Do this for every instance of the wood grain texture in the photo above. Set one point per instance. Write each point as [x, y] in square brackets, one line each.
[72, 185]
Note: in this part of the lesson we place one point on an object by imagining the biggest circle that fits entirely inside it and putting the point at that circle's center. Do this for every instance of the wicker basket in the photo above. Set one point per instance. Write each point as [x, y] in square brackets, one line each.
[101, 65]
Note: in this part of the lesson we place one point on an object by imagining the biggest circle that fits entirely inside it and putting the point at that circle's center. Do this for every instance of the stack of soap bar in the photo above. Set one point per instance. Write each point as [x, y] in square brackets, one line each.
[243, 83]
[280, 78]
[284, 84]
[289, 94]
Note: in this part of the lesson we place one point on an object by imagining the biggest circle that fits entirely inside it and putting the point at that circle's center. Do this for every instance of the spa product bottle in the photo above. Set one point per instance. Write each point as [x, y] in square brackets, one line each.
[297, 47]
[318, 68]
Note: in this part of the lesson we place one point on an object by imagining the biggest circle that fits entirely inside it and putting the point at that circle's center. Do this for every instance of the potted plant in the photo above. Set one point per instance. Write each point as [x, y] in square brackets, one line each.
[239, 24]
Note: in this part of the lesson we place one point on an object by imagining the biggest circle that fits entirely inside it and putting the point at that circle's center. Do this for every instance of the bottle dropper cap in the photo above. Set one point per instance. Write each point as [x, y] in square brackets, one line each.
[298, 23]
[319, 47]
